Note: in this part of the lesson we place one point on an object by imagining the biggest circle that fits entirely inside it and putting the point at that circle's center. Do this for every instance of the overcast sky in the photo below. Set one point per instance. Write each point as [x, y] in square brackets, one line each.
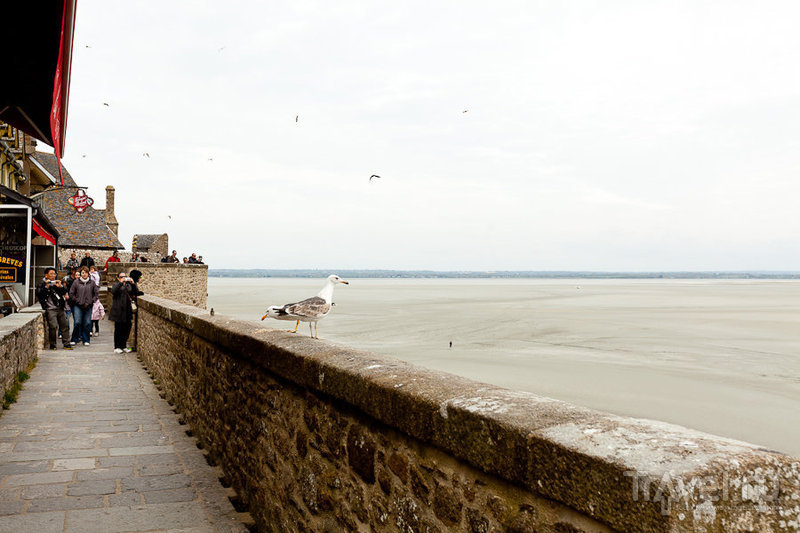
[598, 135]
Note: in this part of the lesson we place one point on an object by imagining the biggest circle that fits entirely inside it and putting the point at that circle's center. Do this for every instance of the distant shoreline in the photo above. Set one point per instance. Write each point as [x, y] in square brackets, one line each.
[500, 274]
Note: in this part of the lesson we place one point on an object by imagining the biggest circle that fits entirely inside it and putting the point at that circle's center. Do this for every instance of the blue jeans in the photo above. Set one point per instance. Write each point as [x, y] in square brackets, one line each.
[83, 323]
[68, 313]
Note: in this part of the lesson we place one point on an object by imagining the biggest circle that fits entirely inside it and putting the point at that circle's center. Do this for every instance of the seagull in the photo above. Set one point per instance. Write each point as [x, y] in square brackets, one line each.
[105, 104]
[310, 310]
[146, 154]
[296, 119]
[465, 111]
[374, 176]
[220, 49]
[169, 217]
[84, 155]
[211, 159]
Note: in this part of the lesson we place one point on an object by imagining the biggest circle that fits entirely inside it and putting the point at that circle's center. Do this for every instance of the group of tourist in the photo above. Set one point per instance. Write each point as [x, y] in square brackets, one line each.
[191, 260]
[88, 261]
[77, 296]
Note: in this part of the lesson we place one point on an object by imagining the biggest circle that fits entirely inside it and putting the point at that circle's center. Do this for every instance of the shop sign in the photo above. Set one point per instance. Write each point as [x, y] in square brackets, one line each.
[13, 250]
[80, 201]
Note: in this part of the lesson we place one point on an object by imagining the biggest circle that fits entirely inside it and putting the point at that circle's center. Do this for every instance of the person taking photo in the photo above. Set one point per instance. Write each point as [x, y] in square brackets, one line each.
[51, 293]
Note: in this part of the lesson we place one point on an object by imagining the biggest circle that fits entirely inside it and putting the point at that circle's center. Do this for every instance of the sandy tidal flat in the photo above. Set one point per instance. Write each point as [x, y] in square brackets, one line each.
[718, 356]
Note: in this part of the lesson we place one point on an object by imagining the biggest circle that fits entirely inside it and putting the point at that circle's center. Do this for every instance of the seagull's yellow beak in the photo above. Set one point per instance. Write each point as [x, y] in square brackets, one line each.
[344, 281]
[263, 317]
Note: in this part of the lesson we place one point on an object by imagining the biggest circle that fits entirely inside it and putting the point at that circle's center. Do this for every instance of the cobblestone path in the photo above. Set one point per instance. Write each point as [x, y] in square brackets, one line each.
[91, 447]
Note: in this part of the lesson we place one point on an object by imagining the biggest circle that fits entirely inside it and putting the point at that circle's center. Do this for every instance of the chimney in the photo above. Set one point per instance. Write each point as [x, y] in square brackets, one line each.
[111, 220]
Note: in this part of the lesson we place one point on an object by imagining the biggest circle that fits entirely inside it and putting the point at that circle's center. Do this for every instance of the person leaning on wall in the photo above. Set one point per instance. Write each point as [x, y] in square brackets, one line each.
[113, 259]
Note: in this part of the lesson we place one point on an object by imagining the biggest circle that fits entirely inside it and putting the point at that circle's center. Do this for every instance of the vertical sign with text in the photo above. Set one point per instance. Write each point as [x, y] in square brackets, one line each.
[13, 249]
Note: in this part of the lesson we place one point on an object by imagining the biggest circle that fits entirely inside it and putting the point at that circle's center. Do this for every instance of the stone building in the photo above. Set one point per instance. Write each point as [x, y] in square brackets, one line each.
[93, 231]
[152, 244]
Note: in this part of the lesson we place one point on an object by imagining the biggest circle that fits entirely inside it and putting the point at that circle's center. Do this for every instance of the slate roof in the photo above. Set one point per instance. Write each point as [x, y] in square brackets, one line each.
[76, 230]
[146, 240]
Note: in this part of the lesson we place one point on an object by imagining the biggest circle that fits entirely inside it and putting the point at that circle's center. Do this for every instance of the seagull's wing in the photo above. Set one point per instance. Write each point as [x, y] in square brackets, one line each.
[310, 308]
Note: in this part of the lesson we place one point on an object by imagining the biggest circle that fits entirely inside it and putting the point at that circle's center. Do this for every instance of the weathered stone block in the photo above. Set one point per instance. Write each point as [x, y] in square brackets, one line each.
[447, 505]
[361, 453]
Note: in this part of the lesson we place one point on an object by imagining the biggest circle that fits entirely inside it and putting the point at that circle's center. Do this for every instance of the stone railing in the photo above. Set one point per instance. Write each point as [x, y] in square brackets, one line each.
[316, 436]
[20, 339]
[180, 282]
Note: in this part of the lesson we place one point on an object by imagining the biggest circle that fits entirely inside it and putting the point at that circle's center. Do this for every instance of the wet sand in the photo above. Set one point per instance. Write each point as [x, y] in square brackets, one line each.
[718, 356]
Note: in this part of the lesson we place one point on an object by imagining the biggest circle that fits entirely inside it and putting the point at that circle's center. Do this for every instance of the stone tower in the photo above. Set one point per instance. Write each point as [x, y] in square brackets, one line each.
[111, 220]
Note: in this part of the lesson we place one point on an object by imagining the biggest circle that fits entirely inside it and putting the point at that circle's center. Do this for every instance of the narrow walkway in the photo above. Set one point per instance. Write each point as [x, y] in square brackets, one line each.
[91, 447]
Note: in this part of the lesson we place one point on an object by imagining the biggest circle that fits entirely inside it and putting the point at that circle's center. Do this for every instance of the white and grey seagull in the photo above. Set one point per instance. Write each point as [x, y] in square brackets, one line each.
[310, 310]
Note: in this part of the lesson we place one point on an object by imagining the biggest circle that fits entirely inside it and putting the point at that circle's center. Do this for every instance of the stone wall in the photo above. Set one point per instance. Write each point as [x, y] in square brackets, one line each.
[42, 331]
[183, 283]
[19, 342]
[318, 437]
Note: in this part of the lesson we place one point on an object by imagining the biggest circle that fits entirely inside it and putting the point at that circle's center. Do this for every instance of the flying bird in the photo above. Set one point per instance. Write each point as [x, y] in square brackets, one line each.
[169, 217]
[220, 49]
[296, 119]
[146, 154]
[210, 158]
[310, 310]
[87, 46]
[465, 111]
[84, 155]
[105, 104]
[374, 176]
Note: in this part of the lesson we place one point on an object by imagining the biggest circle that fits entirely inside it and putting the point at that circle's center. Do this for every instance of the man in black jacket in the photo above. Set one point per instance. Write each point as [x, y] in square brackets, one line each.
[51, 296]
[123, 292]
[87, 260]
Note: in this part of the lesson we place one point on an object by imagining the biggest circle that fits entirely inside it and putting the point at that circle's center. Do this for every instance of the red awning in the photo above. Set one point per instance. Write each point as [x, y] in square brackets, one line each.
[35, 99]
[41, 231]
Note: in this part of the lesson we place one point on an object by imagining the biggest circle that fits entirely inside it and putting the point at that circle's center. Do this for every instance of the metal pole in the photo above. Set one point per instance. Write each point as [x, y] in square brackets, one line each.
[28, 257]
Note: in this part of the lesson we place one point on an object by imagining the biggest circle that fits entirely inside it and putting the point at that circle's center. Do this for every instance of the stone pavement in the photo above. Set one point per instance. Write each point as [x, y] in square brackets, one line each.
[91, 447]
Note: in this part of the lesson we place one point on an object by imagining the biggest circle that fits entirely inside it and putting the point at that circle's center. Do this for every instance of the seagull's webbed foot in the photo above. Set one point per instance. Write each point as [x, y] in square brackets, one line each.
[295, 328]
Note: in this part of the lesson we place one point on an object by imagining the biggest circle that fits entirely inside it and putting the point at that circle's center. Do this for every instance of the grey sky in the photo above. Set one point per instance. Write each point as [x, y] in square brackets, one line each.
[599, 135]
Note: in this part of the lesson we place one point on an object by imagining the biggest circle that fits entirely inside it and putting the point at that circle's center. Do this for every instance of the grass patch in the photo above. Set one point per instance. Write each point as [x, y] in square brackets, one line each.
[11, 393]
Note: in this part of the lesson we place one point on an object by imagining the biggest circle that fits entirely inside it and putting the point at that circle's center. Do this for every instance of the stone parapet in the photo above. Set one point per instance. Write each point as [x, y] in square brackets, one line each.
[41, 329]
[317, 436]
[180, 282]
[19, 345]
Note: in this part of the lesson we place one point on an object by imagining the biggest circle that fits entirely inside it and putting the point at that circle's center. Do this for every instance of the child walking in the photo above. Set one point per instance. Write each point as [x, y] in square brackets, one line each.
[98, 314]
